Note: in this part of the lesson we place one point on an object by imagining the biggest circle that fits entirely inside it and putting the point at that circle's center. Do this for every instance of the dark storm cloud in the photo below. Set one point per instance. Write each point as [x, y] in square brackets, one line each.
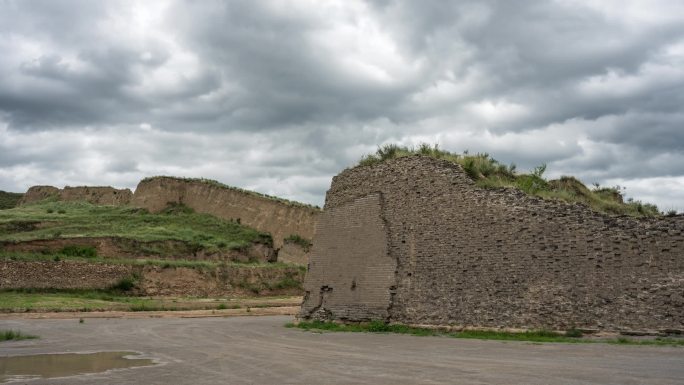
[280, 96]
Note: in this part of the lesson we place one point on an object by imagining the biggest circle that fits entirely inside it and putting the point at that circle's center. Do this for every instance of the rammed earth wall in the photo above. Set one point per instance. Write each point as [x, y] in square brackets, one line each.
[279, 218]
[99, 195]
[413, 240]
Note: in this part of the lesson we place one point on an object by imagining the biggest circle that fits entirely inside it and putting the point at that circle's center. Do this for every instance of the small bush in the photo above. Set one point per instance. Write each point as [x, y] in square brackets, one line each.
[173, 208]
[574, 333]
[79, 251]
[125, 284]
[378, 327]
[50, 211]
[287, 283]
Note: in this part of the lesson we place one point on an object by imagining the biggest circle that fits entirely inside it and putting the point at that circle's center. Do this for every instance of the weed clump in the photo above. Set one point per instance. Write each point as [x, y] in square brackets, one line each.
[299, 240]
[14, 335]
[79, 251]
[125, 284]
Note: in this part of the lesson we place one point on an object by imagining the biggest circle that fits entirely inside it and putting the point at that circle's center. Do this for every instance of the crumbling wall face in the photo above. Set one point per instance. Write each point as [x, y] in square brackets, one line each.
[279, 219]
[293, 253]
[500, 258]
[351, 276]
[39, 193]
[96, 195]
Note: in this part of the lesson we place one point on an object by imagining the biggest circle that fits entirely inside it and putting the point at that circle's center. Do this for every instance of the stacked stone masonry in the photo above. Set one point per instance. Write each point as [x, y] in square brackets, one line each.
[456, 254]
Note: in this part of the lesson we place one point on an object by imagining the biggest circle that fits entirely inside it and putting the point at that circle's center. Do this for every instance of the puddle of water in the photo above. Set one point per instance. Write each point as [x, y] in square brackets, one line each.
[68, 364]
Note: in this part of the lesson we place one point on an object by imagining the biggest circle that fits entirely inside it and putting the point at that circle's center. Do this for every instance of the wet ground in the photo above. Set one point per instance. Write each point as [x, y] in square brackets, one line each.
[36, 366]
[259, 350]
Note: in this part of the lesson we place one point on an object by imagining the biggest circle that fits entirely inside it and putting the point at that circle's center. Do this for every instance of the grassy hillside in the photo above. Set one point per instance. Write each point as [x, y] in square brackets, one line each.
[49, 220]
[9, 200]
[487, 172]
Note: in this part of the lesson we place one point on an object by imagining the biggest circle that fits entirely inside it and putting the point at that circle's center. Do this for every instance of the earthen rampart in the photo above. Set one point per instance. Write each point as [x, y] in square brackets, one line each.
[414, 240]
[99, 195]
[280, 218]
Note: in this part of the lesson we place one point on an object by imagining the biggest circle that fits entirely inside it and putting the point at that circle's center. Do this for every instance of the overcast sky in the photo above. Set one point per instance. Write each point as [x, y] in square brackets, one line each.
[279, 96]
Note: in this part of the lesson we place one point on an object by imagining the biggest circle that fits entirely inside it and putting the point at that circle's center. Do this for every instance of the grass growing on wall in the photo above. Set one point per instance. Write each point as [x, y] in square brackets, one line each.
[530, 336]
[49, 220]
[487, 172]
[304, 243]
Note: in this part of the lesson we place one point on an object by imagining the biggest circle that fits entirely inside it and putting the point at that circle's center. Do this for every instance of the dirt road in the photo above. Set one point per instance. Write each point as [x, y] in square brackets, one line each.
[259, 350]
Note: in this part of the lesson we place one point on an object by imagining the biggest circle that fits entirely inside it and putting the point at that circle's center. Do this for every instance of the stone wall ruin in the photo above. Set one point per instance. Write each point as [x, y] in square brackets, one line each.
[413, 240]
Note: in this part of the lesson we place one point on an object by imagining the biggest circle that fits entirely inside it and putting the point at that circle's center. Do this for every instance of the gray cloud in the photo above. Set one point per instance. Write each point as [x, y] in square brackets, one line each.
[279, 97]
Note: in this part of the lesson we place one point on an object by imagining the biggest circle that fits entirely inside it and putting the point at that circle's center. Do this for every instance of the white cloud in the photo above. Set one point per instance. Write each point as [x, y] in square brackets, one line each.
[279, 96]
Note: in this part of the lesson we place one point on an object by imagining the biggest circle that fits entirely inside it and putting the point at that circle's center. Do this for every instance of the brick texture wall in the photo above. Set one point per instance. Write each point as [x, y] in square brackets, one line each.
[352, 274]
[468, 256]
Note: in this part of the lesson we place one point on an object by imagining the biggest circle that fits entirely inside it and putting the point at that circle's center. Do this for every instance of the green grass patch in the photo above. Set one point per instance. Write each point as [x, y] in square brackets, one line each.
[14, 335]
[125, 284]
[540, 336]
[79, 251]
[53, 219]
[9, 200]
[489, 173]
[164, 263]
[22, 300]
[84, 300]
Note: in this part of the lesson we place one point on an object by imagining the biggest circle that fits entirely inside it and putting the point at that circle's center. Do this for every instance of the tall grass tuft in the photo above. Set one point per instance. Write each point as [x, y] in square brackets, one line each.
[13, 335]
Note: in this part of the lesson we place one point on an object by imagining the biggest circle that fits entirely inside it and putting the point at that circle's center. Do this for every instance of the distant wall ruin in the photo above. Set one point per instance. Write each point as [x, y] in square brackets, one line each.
[98, 195]
[278, 217]
[414, 241]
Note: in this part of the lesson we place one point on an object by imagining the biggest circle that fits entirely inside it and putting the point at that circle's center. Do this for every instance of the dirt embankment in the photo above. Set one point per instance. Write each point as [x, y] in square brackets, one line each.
[99, 195]
[280, 219]
[116, 247]
[153, 280]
